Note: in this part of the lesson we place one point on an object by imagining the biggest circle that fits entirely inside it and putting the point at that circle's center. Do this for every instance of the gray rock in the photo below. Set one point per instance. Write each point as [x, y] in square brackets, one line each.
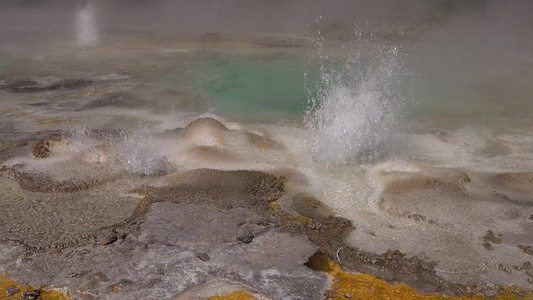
[30, 295]
[107, 238]
[203, 256]
[11, 290]
[488, 246]
[245, 237]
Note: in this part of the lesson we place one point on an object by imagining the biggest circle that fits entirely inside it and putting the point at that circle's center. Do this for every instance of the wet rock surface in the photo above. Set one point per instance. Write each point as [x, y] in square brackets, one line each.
[47, 221]
[522, 181]
[223, 215]
[171, 235]
[31, 86]
[42, 149]
[310, 207]
[119, 99]
[41, 183]
[203, 212]
[442, 203]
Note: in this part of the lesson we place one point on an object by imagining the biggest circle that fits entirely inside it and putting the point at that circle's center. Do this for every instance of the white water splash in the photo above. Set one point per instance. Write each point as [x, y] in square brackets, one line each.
[86, 27]
[142, 157]
[354, 115]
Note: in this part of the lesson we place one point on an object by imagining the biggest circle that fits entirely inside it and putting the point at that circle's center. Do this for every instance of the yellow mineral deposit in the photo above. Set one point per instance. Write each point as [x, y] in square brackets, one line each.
[235, 295]
[10, 289]
[347, 285]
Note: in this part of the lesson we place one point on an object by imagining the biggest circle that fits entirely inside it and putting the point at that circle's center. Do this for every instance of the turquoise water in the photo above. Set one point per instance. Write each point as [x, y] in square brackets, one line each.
[438, 86]
[256, 87]
[253, 88]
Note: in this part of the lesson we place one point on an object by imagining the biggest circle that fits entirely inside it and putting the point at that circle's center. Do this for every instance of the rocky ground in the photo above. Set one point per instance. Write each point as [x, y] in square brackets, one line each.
[95, 214]
[182, 234]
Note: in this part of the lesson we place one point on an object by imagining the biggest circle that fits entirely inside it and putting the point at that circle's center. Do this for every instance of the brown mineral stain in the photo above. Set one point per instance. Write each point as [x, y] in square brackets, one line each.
[59, 121]
[115, 287]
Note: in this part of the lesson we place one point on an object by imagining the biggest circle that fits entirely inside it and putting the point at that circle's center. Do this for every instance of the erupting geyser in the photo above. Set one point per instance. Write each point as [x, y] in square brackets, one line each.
[354, 113]
[86, 29]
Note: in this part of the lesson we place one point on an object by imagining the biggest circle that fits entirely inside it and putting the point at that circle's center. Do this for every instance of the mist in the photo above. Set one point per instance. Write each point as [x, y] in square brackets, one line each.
[475, 63]
[47, 19]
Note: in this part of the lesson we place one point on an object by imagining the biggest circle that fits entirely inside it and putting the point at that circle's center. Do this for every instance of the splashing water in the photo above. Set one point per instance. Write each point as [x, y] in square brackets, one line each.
[86, 29]
[141, 158]
[78, 136]
[354, 113]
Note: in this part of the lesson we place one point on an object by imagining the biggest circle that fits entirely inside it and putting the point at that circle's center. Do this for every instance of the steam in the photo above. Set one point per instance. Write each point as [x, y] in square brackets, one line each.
[86, 28]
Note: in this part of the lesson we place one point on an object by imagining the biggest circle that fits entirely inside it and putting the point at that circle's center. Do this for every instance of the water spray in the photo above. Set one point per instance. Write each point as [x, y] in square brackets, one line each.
[86, 27]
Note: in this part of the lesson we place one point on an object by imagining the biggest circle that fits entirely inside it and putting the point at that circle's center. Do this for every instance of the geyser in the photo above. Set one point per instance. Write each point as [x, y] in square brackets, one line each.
[355, 110]
[86, 28]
